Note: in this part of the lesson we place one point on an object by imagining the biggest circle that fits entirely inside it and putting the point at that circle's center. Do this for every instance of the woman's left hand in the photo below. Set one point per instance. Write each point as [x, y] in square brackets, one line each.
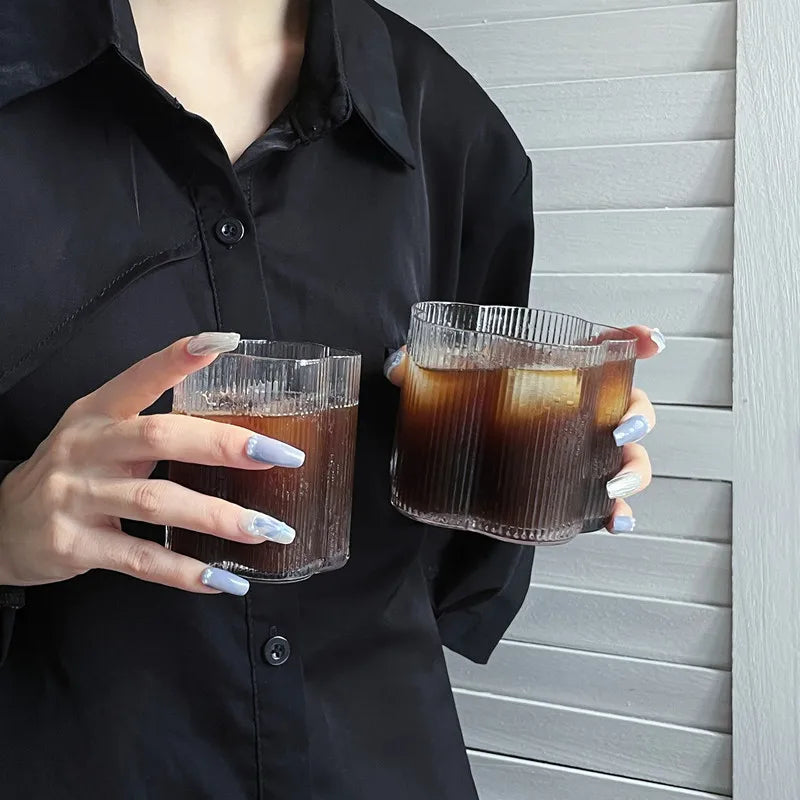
[638, 421]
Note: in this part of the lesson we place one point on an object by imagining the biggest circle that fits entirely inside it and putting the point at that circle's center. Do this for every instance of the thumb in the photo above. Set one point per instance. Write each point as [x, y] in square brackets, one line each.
[396, 365]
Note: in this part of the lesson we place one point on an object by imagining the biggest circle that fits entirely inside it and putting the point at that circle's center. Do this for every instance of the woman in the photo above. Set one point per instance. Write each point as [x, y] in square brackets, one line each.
[324, 167]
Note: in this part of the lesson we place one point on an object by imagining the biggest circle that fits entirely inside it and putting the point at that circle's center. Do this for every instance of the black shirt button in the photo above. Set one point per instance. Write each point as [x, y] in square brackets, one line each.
[229, 230]
[277, 651]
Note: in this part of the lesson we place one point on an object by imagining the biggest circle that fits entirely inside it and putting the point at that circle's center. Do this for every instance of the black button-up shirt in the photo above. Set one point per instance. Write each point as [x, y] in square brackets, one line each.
[390, 178]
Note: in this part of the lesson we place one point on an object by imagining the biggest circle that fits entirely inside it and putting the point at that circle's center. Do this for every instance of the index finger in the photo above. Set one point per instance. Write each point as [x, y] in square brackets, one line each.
[141, 385]
[396, 366]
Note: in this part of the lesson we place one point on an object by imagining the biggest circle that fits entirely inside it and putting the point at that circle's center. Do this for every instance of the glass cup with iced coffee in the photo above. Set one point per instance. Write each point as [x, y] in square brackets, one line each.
[506, 419]
[307, 396]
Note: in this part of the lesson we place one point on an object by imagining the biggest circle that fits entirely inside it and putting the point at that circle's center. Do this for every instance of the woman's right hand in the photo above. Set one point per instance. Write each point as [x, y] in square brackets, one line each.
[60, 510]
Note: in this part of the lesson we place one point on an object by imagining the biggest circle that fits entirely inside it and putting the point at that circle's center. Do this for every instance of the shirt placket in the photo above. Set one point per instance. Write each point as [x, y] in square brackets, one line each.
[281, 737]
[279, 697]
[228, 229]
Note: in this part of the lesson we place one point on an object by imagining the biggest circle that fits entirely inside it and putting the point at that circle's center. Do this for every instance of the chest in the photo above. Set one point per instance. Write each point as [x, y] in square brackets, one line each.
[113, 245]
[240, 102]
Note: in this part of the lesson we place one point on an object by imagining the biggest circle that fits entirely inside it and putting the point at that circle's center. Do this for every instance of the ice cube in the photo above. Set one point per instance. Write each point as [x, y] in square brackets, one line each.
[535, 391]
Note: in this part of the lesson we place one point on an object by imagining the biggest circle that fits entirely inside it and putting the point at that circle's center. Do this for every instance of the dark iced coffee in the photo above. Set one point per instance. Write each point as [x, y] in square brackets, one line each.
[506, 419]
[307, 396]
[314, 499]
[499, 446]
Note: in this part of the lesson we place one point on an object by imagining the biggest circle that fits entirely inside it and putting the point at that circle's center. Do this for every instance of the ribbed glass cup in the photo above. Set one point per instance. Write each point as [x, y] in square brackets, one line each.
[504, 422]
[307, 396]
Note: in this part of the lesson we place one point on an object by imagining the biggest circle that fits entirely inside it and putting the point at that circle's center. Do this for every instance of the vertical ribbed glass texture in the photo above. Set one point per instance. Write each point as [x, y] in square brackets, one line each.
[506, 420]
[300, 393]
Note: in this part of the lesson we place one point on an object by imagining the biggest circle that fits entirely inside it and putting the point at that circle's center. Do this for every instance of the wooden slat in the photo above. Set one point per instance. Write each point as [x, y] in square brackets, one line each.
[507, 778]
[680, 305]
[620, 745]
[663, 630]
[455, 12]
[630, 240]
[663, 108]
[692, 696]
[670, 569]
[685, 509]
[692, 443]
[689, 372]
[646, 42]
[676, 174]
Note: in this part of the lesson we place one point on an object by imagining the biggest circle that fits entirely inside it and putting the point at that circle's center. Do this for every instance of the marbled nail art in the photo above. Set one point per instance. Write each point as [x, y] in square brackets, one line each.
[624, 485]
[659, 339]
[206, 344]
[267, 527]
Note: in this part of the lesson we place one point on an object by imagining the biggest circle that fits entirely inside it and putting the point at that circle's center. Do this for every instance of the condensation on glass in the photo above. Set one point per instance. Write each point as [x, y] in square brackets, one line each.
[506, 421]
[300, 393]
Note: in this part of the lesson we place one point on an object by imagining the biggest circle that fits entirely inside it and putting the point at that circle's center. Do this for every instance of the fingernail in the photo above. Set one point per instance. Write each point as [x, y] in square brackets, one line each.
[624, 485]
[393, 362]
[258, 524]
[623, 525]
[631, 430]
[224, 581]
[206, 344]
[271, 451]
[658, 339]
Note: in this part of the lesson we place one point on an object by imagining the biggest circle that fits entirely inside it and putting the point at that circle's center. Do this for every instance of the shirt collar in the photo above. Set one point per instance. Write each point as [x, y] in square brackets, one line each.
[371, 74]
[349, 62]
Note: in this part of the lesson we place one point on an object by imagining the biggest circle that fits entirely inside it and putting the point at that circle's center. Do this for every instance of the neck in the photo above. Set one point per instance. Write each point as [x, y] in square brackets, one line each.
[234, 62]
[232, 25]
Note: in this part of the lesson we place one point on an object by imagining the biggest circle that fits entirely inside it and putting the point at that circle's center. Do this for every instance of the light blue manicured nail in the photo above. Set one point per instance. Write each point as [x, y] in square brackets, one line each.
[623, 525]
[224, 581]
[658, 339]
[631, 430]
[271, 451]
[267, 527]
[393, 361]
[213, 342]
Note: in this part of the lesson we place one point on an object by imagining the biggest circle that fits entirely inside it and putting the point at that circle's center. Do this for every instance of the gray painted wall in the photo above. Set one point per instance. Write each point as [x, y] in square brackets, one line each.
[614, 682]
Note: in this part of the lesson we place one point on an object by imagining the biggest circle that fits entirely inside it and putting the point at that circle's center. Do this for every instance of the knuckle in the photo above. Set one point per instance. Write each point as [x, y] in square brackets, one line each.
[218, 517]
[142, 559]
[148, 497]
[62, 543]
[62, 444]
[56, 490]
[637, 458]
[155, 432]
[77, 408]
[224, 444]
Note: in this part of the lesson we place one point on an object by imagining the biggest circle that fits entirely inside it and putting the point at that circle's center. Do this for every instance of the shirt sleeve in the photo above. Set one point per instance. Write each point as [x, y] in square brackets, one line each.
[478, 583]
[12, 598]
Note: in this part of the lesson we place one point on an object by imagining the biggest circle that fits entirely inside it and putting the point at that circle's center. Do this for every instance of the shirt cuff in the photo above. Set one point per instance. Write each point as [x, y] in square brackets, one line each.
[477, 586]
[12, 598]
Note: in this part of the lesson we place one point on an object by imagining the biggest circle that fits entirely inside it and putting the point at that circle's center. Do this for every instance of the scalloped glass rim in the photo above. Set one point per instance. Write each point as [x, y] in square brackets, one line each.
[418, 313]
[326, 352]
